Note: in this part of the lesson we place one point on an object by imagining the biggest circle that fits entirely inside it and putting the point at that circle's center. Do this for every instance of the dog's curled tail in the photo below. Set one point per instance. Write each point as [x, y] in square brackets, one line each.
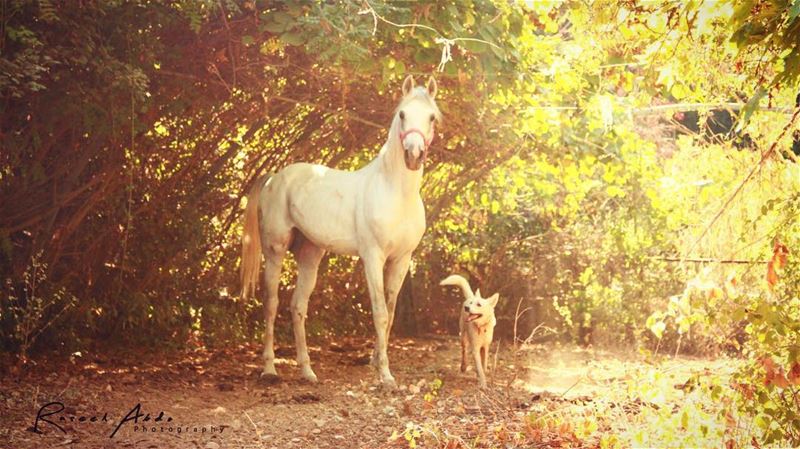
[251, 240]
[458, 281]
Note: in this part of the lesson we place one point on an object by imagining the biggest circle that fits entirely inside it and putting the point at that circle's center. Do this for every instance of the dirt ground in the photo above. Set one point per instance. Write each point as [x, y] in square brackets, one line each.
[216, 399]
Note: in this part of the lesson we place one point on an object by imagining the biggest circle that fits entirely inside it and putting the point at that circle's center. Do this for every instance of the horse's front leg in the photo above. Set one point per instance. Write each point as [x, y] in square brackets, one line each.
[308, 258]
[394, 275]
[373, 266]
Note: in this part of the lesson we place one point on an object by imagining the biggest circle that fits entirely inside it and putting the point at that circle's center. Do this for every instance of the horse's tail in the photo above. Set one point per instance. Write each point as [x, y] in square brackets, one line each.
[458, 281]
[251, 240]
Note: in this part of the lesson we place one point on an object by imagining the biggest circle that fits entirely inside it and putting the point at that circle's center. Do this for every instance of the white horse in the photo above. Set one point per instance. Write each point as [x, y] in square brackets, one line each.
[375, 212]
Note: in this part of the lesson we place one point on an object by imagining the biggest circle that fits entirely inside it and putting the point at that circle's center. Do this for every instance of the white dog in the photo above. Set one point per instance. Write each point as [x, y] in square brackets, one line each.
[476, 325]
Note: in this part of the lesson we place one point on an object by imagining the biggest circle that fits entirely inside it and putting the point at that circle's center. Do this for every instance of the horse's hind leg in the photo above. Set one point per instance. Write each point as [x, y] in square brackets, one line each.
[272, 274]
[308, 258]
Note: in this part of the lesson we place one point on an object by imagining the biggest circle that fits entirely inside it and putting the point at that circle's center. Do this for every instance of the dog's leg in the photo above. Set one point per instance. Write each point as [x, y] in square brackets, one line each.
[373, 266]
[489, 338]
[476, 353]
[464, 345]
[308, 258]
[272, 274]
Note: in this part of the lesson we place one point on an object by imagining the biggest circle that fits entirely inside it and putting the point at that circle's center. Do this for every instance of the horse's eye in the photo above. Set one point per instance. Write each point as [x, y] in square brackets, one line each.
[402, 115]
[433, 117]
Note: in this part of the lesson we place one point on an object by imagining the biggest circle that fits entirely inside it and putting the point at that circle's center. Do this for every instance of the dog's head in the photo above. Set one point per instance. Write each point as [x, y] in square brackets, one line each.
[478, 309]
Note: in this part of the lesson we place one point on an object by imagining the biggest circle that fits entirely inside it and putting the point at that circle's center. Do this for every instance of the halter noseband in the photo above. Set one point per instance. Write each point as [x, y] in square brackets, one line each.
[404, 134]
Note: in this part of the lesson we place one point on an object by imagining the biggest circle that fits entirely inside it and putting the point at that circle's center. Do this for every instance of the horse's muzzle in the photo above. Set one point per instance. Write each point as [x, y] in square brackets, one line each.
[415, 163]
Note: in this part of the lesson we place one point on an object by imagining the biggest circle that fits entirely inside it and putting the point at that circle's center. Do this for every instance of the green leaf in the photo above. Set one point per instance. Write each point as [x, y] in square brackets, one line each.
[762, 422]
[742, 11]
[679, 91]
[282, 17]
[474, 46]
[716, 393]
[293, 38]
[750, 107]
[274, 27]
[657, 328]
[794, 10]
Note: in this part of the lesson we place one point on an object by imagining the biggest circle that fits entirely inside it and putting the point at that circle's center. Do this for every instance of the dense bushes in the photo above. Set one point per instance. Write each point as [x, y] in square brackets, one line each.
[132, 128]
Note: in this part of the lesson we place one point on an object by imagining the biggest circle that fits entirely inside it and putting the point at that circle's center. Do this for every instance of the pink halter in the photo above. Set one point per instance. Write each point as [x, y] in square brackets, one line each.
[405, 133]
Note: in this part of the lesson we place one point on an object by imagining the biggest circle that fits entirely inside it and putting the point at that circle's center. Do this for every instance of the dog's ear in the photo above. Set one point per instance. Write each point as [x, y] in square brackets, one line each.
[477, 293]
[493, 299]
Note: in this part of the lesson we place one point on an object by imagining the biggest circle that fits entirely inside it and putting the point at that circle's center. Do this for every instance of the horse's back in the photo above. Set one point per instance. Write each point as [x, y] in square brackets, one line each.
[318, 201]
[301, 173]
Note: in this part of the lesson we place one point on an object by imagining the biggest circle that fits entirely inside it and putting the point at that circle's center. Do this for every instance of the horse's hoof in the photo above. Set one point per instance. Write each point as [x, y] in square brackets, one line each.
[463, 367]
[309, 376]
[269, 379]
[388, 383]
[269, 370]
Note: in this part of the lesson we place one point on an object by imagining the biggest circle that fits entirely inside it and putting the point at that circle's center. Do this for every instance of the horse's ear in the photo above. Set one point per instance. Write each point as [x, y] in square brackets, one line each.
[432, 87]
[408, 84]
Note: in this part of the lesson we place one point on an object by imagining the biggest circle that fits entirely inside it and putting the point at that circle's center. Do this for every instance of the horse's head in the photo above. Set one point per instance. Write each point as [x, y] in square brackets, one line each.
[414, 121]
